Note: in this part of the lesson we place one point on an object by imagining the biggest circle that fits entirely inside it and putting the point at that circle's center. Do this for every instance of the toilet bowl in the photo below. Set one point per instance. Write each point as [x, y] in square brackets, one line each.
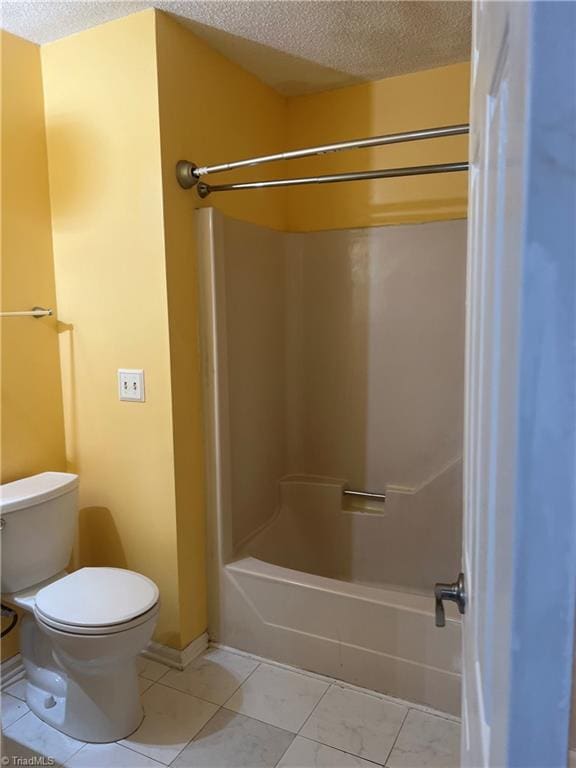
[82, 631]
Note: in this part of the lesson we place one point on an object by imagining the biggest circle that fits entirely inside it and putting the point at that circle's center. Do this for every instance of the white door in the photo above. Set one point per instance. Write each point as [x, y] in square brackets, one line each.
[520, 456]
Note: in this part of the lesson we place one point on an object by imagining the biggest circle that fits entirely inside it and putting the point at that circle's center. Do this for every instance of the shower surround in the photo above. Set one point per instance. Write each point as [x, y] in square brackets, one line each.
[335, 359]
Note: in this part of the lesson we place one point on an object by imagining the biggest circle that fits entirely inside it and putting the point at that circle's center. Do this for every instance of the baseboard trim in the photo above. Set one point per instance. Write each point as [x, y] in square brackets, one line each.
[11, 670]
[173, 657]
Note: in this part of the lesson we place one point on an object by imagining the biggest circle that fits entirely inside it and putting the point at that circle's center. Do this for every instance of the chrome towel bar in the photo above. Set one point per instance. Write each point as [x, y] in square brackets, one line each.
[34, 312]
[364, 495]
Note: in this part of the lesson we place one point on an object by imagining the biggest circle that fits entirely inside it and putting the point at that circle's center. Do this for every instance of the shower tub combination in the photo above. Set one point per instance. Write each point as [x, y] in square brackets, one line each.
[300, 340]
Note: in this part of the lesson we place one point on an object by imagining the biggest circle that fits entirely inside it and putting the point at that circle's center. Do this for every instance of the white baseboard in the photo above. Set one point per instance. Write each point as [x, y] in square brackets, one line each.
[173, 657]
[11, 671]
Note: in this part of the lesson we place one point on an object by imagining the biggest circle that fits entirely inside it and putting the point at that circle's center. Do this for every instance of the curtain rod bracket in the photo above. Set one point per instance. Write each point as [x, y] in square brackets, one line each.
[204, 190]
[185, 174]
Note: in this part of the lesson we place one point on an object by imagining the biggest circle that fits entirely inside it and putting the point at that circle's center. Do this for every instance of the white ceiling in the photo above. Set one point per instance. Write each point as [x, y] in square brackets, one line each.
[296, 46]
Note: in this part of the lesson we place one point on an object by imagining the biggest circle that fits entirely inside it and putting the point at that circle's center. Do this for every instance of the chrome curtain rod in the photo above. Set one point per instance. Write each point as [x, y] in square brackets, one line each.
[386, 173]
[188, 173]
[34, 312]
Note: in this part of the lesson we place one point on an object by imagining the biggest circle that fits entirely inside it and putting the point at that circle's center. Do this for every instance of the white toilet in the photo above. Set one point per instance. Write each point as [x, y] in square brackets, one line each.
[83, 631]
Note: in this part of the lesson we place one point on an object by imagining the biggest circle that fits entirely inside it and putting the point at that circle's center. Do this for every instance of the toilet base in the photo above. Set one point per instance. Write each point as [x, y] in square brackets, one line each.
[78, 686]
[73, 720]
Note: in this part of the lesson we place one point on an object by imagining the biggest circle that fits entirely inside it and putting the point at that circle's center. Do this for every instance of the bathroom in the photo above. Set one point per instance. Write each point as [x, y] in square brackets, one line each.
[291, 349]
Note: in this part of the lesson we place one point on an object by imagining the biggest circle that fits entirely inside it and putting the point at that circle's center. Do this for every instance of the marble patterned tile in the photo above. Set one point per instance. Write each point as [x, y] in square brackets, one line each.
[171, 720]
[304, 753]
[357, 723]
[12, 709]
[17, 689]
[32, 733]
[214, 676]
[109, 756]
[230, 740]
[278, 697]
[151, 670]
[426, 741]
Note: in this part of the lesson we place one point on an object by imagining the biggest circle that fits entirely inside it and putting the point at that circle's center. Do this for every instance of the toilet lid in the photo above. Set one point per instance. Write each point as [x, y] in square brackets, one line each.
[97, 597]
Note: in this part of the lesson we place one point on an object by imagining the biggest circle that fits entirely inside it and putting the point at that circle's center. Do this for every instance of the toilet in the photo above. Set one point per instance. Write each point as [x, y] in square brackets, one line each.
[82, 631]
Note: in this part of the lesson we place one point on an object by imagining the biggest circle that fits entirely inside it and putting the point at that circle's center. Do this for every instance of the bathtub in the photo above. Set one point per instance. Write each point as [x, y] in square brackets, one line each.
[354, 628]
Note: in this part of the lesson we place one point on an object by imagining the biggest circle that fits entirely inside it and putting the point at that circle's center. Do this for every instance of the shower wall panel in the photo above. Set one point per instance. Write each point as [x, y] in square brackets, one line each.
[254, 285]
[376, 353]
[343, 353]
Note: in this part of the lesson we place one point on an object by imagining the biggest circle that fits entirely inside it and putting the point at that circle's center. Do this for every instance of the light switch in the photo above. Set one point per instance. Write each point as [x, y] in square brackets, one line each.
[131, 384]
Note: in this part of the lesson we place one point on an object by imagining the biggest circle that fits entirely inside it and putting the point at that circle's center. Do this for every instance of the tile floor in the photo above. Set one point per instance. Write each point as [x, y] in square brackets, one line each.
[229, 710]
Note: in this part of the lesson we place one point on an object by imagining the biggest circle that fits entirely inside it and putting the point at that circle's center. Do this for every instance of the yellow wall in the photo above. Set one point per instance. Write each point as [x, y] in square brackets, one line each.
[122, 106]
[209, 109]
[32, 434]
[103, 135]
[426, 99]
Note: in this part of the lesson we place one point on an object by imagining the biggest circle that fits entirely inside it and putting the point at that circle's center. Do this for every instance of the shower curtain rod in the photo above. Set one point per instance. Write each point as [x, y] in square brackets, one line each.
[188, 173]
[386, 173]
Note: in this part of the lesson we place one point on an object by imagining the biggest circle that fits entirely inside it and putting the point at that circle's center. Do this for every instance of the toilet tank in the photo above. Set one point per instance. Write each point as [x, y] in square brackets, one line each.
[37, 526]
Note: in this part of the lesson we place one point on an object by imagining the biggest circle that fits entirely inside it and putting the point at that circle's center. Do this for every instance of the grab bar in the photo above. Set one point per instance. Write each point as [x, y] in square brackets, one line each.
[364, 494]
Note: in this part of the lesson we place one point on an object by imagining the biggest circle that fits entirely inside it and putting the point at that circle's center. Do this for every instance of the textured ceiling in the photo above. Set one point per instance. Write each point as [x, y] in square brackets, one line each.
[293, 45]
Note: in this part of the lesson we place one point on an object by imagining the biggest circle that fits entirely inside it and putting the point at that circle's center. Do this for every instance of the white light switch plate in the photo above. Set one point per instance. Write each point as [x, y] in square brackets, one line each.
[131, 384]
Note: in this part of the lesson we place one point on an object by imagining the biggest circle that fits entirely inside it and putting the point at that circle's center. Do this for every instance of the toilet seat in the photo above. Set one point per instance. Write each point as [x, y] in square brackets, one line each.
[96, 601]
[108, 629]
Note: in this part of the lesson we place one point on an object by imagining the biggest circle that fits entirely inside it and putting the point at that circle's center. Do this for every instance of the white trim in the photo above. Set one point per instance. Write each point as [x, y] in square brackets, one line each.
[174, 658]
[11, 670]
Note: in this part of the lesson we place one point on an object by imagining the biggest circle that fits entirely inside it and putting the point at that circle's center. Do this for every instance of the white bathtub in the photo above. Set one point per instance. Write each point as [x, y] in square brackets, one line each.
[309, 589]
[377, 638]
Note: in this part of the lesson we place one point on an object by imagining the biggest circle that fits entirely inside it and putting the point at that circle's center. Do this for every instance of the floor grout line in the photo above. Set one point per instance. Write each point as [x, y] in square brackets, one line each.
[193, 739]
[195, 695]
[257, 667]
[187, 693]
[258, 720]
[277, 763]
[141, 754]
[397, 737]
[176, 690]
[314, 708]
[344, 751]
